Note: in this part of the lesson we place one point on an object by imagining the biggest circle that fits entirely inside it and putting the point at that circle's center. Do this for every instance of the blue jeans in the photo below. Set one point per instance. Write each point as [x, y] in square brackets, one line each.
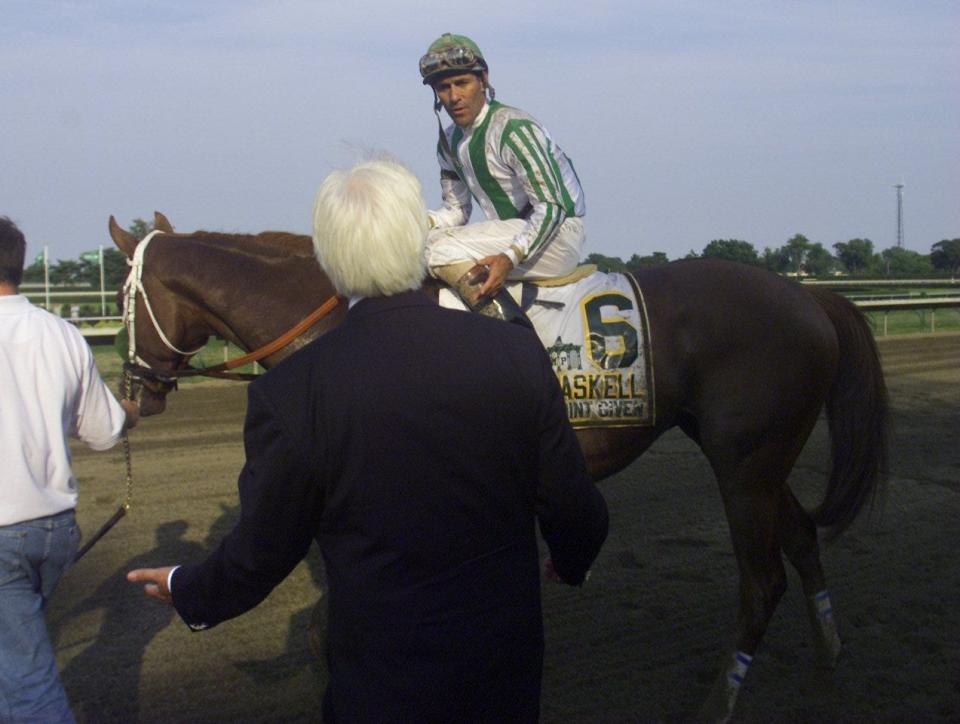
[33, 556]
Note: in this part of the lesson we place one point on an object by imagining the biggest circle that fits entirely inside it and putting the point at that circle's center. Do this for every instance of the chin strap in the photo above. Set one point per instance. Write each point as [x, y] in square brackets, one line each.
[444, 143]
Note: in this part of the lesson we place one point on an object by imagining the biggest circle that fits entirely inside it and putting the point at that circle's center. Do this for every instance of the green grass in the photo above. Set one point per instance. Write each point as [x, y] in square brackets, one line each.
[914, 321]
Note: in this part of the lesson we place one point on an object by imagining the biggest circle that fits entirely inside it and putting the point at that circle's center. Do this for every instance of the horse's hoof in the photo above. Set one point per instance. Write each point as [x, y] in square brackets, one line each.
[827, 654]
[718, 708]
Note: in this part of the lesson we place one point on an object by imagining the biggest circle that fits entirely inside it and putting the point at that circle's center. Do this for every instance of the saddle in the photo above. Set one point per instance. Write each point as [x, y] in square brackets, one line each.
[581, 272]
[594, 328]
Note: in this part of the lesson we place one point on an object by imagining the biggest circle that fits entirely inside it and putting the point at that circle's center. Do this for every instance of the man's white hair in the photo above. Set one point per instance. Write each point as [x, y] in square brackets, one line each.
[370, 229]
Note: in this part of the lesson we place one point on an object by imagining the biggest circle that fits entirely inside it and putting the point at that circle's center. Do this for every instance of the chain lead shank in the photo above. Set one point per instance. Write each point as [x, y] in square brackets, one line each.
[127, 390]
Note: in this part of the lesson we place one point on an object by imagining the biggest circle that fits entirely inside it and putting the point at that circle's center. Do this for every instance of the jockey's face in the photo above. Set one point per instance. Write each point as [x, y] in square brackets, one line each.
[462, 96]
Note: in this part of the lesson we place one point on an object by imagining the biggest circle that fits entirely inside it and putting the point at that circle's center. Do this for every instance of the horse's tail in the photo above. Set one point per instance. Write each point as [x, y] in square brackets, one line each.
[858, 418]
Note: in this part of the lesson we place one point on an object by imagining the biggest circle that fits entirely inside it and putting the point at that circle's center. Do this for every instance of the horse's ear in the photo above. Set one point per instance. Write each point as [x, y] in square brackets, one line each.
[124, 240]
[162, 223]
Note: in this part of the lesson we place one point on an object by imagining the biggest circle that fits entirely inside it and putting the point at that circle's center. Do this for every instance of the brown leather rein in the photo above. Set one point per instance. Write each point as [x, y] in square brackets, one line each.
[222, 370]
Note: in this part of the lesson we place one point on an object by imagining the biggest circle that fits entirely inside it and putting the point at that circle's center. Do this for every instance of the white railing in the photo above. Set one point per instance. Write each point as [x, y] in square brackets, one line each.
[840, 283]
[868, 303]
[931, 303]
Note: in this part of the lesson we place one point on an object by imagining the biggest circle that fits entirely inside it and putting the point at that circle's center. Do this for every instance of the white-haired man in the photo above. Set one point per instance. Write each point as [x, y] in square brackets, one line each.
[418, 455]
[522, 180]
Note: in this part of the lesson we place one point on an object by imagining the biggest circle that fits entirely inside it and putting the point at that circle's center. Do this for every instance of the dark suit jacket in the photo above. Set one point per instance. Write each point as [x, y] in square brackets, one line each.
[416, 445]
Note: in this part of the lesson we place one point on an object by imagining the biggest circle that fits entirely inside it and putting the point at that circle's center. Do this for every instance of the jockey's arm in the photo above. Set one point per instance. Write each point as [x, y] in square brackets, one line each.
[542, 225]
[457, 203]
[527, 152]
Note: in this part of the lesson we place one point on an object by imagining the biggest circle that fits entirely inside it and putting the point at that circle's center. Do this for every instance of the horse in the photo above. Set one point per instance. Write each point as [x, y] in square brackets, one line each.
[745, 362]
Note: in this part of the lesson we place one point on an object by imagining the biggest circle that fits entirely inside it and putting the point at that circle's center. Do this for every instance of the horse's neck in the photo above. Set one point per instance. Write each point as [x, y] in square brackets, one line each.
[259, 318]
[252, 300]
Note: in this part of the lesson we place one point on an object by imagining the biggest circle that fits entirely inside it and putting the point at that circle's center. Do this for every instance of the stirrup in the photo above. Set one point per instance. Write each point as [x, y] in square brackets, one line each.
[500, 306]
[503, 306]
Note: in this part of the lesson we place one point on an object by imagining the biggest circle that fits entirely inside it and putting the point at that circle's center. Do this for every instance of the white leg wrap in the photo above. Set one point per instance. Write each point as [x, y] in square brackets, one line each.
[822, 604]
[827, 638]
[737, 672]
[723, 696]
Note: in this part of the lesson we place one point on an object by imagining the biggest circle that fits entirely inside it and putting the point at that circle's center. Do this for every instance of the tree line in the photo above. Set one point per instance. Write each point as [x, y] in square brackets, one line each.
[86, 269]
[799, 255]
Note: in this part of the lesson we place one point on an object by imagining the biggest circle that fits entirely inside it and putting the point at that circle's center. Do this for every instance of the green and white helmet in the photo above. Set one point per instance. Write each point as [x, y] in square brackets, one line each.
[451, 54]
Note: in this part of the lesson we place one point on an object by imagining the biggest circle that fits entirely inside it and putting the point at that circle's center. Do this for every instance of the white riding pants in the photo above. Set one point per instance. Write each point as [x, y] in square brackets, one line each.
[471, 242]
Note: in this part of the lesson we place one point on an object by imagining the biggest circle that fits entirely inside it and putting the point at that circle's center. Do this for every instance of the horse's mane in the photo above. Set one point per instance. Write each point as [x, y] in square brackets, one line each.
[266, 243]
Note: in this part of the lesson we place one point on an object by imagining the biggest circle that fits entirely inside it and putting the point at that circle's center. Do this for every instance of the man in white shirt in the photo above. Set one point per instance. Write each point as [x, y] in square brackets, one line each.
[49, 389]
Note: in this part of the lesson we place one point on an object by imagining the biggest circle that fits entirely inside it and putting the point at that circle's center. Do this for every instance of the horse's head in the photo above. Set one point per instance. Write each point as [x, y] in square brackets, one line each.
[163, 329]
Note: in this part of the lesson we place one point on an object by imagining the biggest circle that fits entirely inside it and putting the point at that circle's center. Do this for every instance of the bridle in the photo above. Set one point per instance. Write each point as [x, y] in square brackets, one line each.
[141, 371]
[131, 287]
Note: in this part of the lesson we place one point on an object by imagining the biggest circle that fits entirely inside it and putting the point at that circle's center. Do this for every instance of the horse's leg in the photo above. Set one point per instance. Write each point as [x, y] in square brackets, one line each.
[798, 538]
[752, 489]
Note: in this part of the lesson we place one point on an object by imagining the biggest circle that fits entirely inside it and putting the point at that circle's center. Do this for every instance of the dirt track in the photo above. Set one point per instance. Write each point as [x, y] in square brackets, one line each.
[640, 642]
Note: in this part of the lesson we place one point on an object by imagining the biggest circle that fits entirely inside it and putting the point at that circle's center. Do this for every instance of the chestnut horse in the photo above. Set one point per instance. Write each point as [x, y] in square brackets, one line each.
[745, 362]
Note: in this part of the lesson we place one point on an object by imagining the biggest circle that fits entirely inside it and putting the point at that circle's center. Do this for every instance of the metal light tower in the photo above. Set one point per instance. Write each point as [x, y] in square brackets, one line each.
[899, 188]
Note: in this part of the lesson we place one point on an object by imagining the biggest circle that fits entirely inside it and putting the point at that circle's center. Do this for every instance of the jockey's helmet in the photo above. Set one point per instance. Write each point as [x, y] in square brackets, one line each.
[450, 54]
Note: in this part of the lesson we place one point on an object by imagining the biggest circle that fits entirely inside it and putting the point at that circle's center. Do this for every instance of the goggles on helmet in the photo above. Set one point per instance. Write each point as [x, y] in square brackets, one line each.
[456, 57]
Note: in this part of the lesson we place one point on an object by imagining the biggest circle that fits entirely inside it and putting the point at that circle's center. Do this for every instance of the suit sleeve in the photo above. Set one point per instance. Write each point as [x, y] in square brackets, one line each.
[572, 512]
[280, 506]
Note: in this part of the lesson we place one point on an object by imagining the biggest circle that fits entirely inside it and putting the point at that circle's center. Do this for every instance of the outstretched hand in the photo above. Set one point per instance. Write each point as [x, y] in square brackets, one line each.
[154, 580]
[499, 266]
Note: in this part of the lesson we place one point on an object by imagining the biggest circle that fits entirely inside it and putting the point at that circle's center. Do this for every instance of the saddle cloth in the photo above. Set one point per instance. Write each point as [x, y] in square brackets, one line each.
[597, 335]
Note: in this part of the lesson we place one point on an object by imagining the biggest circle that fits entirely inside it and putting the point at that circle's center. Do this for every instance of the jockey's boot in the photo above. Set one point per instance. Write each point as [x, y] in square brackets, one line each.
[466, 278]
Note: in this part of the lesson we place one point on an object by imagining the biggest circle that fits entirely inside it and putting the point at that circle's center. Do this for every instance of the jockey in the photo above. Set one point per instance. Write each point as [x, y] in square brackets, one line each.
[509, 163]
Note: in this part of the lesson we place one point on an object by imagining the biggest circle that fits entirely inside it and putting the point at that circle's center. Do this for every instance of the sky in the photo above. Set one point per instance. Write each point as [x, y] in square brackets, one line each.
[686, 121]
